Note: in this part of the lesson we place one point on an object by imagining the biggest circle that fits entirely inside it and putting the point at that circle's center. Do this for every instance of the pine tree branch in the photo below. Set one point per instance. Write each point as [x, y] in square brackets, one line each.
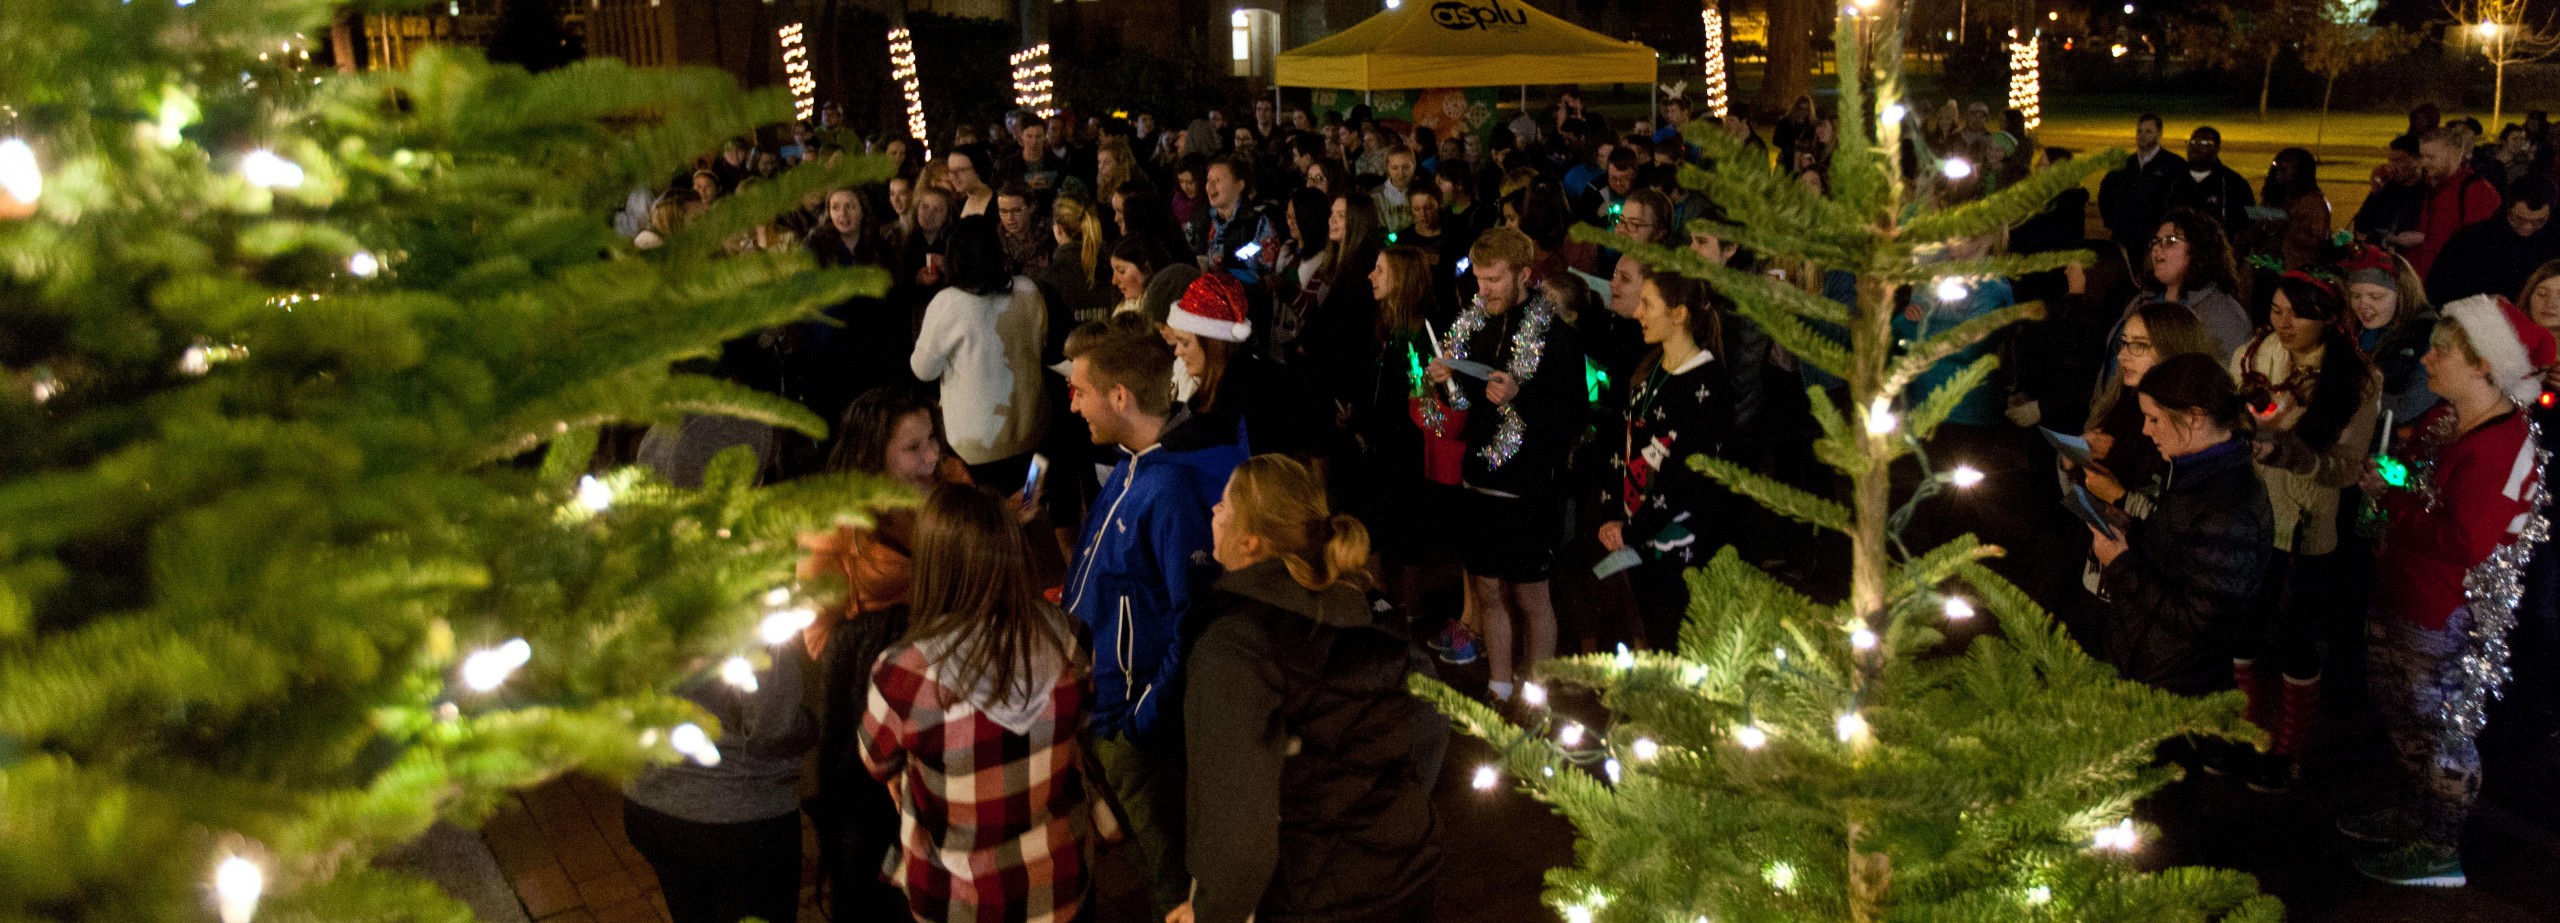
[1781, 498]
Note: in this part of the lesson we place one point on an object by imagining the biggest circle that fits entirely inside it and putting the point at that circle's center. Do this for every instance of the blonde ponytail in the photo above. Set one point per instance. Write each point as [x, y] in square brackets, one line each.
[1277, 499]
[1076, 214]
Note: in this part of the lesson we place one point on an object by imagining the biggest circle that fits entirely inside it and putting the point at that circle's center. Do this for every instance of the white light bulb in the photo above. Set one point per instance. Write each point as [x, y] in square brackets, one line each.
[1955, 168]
[1614, 770]
[1571, 734]
[782, 626]
[1880, 416]
[1693, 674]
[595, 495]
[736, 671]
[1578, 913]
[2120, 838]
[1851, 727]
[1950, 289]
[1862, 639]
[1750, 737]
[1626, 659]
[688, 739]
[20, 176]
[2128, 9]
[1782, 876]
[1894, 113]
[1486, 778]
[1645, 750]
[777, 596]
[1958, 610]
[196, 360]
[1965, 476]
[1533, 695]
[364, 264]
[2041, 895]
[263, 168]
[237, 885]
[489, 669]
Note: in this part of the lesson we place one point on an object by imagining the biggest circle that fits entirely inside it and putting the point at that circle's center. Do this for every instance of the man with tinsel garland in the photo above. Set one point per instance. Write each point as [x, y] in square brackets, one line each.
[1525, 411]
[2464, 503]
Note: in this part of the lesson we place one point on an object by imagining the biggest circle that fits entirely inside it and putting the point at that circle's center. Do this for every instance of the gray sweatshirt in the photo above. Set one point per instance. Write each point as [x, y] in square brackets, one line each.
[762, 736]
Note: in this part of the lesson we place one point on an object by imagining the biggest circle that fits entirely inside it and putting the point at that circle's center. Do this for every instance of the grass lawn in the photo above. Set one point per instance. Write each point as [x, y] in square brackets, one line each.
[2353, 144]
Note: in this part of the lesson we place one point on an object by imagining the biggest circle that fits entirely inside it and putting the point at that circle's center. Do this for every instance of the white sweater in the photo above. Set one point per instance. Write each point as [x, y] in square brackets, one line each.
[985, 349]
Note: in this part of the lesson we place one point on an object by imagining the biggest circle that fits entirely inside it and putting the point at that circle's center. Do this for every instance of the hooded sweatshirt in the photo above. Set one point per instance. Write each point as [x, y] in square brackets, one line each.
[1144, 555]
[1310, 764]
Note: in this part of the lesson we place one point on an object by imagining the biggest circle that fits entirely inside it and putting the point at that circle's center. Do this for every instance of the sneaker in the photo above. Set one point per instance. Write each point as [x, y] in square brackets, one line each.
[1457, 645]
[2389, 826]
[2417, 864]
[2273, 773]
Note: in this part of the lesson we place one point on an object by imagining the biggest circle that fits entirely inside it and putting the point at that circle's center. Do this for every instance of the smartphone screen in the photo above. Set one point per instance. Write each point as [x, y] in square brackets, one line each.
[1031, 481]
[1249, 251]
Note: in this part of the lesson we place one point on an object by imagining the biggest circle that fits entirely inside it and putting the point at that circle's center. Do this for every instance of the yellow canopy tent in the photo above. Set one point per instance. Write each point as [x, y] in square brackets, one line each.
[1463, 43]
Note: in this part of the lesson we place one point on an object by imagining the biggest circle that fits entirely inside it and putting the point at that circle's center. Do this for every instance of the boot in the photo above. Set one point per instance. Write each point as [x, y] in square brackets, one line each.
[2282, 766]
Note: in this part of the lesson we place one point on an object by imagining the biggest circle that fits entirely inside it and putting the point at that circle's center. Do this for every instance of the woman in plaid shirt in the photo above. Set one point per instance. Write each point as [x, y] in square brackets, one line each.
[973, 725]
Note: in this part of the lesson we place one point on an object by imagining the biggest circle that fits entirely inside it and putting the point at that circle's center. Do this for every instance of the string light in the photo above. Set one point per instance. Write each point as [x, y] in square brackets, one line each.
[2039, 896]
[237, 885]
[1713, 62]
[902, 68]
[489, 669]
[688, 739]
[782, 626]
[1614, 770]
[1750, 737]
[1894, 113]
[1851, 727]
[1860, 637]
[21, 178]
[2119, 838]
[1965, 476]
[1033, 87]
[263, 168]
[1626, 659]
[1645, 750]
[2026, 80]
[1950, 289]
[1958, 610]
[736, 671]
[200, 358]
[1533, 695]
[1693, 675]
[795, 71]
[596, 496]
[1571, 734]
[1880, 422]
[1781, 875]
[1955, 168]
[364, 264]
[1578, 913]
[44, 386]
[1486, 778]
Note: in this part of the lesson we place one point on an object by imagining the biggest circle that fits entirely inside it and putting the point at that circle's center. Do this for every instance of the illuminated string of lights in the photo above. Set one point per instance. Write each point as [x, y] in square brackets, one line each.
[1034, 87]
[902, 68]
[1712, 63]
[2026, 79]
[795, 71]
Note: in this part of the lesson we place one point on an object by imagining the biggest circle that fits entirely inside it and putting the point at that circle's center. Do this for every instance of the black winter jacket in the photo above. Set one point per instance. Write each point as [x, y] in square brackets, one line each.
[2181, 589]
[1310, 765]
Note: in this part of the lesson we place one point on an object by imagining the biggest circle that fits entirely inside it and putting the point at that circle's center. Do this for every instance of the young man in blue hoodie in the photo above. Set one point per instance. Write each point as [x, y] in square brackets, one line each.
[1144, 558]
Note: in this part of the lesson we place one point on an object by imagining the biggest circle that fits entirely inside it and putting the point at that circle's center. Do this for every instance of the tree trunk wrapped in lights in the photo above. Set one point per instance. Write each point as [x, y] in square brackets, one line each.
[280, 583]
[1804, 760]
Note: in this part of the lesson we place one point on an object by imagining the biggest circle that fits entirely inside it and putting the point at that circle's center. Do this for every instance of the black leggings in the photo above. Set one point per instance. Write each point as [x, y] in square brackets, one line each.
[720, 873]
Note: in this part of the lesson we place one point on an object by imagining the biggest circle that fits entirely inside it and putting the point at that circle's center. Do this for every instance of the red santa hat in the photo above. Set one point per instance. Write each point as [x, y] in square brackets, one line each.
[1212, 307]
[2516, 348]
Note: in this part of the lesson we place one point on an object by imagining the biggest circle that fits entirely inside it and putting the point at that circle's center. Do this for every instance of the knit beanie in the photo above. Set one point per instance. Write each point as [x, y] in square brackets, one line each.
[2516, 349]
[1212, 307]
[2370, 265]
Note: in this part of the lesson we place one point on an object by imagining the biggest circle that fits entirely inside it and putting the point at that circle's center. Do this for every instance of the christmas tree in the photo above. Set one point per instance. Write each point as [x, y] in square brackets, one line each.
[301, 375]
[1797, 760]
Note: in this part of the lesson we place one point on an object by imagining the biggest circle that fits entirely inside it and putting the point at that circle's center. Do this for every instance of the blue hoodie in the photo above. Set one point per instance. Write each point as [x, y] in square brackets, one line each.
[1144, 558]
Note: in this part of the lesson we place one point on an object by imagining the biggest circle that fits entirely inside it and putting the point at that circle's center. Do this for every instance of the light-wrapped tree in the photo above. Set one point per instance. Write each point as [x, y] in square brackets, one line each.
[280, 581]
[1799, 760]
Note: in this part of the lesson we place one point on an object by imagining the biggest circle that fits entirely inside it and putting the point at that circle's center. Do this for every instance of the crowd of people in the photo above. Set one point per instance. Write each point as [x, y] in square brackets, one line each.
[1198, 414]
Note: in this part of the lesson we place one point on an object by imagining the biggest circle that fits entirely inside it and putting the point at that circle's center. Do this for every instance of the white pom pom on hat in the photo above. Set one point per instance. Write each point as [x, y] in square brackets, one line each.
[2516, 348]
[1213, 307]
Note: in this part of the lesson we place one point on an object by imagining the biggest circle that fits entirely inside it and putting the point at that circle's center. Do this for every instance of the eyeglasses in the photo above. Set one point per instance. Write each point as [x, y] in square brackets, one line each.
[2134, 347]
[2167, 240]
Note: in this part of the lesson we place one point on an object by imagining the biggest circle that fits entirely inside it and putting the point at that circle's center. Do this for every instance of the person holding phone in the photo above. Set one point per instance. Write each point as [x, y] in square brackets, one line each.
[2180, 581]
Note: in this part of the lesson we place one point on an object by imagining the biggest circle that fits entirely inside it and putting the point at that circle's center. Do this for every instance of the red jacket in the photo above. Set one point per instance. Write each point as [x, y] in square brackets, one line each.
[2481, 480]
[2459, 201]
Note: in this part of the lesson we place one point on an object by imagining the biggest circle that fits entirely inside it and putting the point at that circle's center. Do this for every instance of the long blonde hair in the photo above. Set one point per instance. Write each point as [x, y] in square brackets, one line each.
[1277, 499]
[1077, 215]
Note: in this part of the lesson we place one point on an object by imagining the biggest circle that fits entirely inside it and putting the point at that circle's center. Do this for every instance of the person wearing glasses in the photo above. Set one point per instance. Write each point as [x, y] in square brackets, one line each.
[2209, 185]
[2190, 263]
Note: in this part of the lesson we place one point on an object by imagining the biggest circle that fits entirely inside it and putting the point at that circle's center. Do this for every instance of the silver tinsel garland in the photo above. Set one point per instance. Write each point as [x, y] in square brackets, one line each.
[2491, 590]
[1528, 346]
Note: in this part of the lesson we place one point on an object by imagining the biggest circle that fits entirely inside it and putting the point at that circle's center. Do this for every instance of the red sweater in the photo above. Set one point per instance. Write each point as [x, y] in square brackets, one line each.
[2481, 480]
[2461, 200]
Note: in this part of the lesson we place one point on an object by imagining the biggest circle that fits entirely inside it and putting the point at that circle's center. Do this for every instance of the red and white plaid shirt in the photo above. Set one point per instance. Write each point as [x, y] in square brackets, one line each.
[990, 821]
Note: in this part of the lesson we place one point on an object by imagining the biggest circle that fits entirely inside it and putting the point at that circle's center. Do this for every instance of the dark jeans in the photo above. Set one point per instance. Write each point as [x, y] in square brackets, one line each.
[720, 873]
[1662, 601]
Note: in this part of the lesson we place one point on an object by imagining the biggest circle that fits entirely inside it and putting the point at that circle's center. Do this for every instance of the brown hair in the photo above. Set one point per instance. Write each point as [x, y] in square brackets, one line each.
[1105, 185]
[1128, 354]
[2174, 331]
[1705, 306]
[1401, 310]
[972, 588]
[1503, 245]
[1277, 499]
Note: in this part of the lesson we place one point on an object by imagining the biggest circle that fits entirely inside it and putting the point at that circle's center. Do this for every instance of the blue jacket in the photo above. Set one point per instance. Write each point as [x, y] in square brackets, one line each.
[1144, 559]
